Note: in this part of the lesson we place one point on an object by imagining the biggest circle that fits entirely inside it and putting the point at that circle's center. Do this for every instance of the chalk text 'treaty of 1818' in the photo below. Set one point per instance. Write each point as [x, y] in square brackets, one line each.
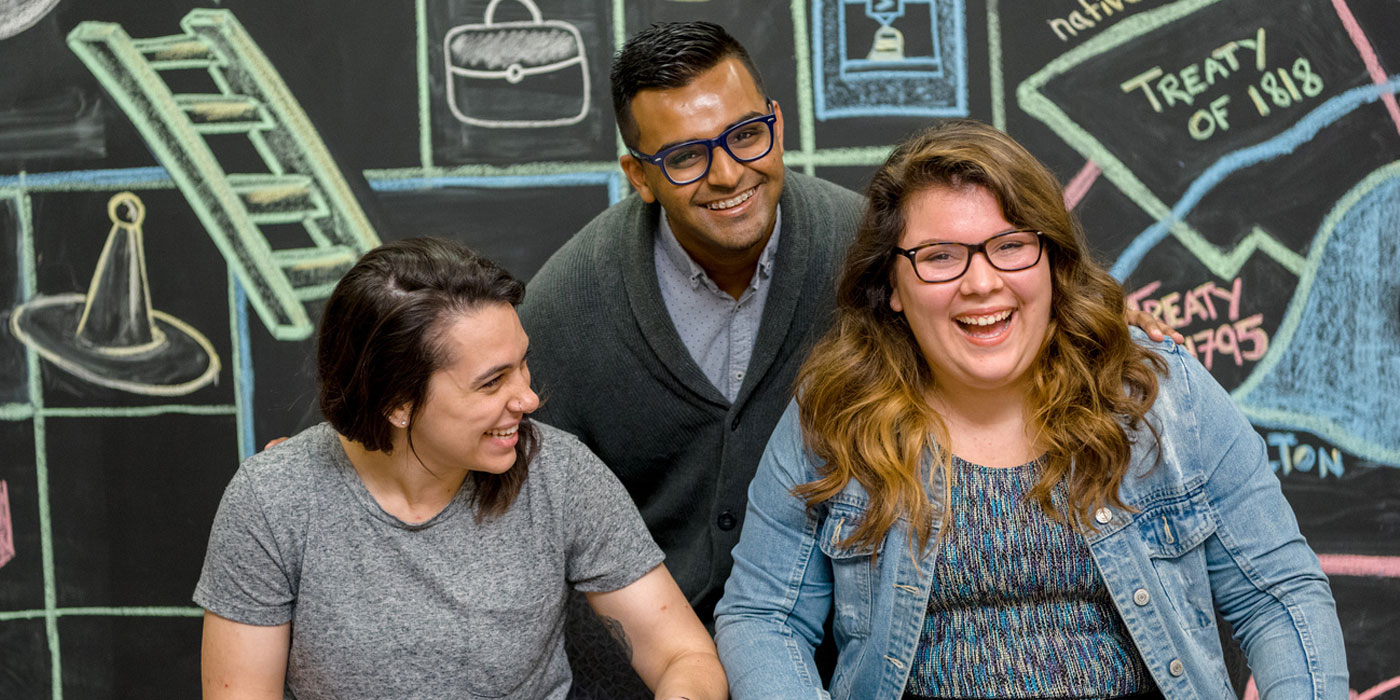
[1276, 88]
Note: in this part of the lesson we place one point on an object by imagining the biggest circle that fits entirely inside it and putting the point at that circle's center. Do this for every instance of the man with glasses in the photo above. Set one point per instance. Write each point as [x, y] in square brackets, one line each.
[666, 334]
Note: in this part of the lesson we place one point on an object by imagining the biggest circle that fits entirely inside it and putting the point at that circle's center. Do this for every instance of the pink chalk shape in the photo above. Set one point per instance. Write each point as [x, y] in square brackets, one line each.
[1360, 565]
[1079, 186]
[7, 534]
[1379, 690]
[1368, 56]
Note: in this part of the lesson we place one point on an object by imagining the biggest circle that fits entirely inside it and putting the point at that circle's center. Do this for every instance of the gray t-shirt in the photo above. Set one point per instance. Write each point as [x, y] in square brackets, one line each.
[447, 608]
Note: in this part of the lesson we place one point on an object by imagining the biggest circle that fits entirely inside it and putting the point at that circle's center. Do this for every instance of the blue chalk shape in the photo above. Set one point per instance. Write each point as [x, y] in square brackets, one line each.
[884, 11]
[1333, 367]
[1329, 462]
[618, 187]
[119, 178]
[889, 82]
[244, 353]
[897, 67]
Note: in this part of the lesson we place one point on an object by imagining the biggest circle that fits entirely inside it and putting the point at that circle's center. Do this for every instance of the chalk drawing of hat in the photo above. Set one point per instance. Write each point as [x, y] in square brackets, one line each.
[111, 336]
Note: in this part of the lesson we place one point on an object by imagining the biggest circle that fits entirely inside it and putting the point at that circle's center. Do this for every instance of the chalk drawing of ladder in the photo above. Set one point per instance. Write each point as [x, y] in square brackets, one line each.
[302, 183]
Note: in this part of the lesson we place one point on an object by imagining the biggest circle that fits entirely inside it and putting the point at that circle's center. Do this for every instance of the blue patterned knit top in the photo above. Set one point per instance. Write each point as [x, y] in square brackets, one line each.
[1018, 608]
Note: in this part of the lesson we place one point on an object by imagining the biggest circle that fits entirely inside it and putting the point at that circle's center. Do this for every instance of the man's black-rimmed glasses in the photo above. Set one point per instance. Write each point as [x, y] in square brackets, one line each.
[688, 162]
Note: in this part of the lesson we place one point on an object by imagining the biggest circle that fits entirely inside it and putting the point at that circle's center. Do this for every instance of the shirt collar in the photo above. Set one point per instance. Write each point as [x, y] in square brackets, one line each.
[692, 271]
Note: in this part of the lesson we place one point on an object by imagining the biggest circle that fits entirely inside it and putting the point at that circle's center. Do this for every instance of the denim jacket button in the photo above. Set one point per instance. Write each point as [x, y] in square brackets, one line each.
[1103, 516]
[1140, 596]
[1176, 667]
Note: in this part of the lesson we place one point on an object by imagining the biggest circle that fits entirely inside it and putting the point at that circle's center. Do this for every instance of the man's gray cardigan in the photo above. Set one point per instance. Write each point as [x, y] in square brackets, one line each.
[611, 369]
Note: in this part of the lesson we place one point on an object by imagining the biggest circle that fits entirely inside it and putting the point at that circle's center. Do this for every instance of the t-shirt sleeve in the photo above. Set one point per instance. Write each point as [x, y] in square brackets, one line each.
[245, 576]
[609, 546]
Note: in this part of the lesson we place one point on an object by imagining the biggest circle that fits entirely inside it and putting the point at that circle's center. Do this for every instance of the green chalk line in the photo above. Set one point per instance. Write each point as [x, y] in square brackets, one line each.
[1228, 264]
[806, 103]
[137, 411]
[28, 260]
[994, 64]
[856, 156]
[425, 126]
[619, 26]
[619, 29]
[869, 155]
[103, 612]
[16, 411]
[484, 170]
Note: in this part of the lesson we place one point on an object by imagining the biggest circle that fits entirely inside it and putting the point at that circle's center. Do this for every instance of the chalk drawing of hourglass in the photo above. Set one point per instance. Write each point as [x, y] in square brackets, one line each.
[111, 336]
[887, 46]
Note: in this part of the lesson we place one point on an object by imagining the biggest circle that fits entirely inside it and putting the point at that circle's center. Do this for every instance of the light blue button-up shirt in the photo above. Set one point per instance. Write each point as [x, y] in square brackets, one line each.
[717, 329]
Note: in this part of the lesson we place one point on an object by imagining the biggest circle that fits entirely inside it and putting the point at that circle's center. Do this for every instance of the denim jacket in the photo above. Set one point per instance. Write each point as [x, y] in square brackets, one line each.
[1207, 529]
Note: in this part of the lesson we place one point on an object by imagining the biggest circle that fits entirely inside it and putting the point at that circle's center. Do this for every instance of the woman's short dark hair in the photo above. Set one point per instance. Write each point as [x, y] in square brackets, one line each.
[383, 335]
[669, 55]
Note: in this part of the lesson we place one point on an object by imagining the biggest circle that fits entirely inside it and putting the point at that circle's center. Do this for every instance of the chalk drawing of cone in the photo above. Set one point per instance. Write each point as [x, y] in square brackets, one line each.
[111, 336]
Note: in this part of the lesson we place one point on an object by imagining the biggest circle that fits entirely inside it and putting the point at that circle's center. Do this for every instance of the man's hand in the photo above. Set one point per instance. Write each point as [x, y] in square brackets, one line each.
[1154, 326]
[277, 441]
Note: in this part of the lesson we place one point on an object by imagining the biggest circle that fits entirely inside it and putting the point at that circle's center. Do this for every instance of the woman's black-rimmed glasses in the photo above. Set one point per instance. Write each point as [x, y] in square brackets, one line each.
[947, 261]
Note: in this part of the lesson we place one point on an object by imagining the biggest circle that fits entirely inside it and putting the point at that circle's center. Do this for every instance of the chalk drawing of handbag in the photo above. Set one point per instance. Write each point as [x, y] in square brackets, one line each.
[523, 74]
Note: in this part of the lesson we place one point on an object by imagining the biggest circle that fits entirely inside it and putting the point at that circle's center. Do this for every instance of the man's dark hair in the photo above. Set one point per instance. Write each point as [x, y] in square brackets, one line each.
[669, 55]
[383, 335]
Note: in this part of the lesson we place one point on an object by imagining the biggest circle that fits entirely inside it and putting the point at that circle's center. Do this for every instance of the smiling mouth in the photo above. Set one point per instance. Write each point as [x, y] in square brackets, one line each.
[985, 325]
[503, 433]
[732, 202]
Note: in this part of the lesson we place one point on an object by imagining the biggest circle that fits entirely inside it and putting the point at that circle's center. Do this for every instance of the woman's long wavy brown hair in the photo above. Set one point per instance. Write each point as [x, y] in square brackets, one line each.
[862, 391]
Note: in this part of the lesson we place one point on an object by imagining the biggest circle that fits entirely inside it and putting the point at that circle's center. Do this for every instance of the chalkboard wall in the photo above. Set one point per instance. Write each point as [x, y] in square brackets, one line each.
[1236, 163]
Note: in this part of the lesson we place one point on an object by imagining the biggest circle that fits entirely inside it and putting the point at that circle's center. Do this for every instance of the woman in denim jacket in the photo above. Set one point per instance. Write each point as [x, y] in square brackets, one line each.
[1098, 501]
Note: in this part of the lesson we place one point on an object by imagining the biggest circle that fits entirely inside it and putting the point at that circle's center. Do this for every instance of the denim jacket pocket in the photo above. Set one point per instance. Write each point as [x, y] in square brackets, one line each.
[852, 569]
[1175, 533]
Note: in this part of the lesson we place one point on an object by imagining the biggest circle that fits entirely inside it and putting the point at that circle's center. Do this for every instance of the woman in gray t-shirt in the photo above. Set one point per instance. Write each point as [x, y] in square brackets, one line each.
[421, 542]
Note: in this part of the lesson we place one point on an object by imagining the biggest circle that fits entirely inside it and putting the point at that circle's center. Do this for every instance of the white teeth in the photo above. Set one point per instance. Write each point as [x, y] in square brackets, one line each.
[986, 320]
[503, 433]
[731, 202]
